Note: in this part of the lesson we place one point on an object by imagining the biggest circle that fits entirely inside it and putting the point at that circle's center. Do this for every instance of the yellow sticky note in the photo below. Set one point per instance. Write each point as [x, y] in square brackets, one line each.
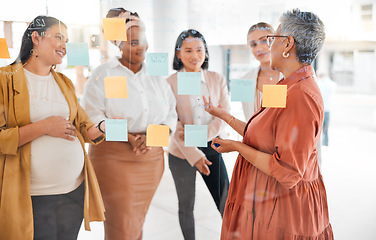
[274, 96]
[157, 136]
[4, 52]
[115, 87]
[114, 29]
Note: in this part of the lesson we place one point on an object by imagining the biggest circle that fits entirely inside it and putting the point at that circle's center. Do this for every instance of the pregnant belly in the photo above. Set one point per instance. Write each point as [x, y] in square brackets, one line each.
[55, 161]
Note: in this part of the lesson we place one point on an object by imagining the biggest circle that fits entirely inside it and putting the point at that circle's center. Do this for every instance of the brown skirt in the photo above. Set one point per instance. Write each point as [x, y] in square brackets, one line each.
[128, 184]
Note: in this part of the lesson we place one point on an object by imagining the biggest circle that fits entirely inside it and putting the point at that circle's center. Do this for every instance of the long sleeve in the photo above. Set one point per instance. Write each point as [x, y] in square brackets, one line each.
[216, 125]
[172, 117]
[192, 154]
[297, 129]
[8, 136]
[93, 100]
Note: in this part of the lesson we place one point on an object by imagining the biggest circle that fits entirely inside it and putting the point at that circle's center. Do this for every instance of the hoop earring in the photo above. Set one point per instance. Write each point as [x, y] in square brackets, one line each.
[33, 51]
[284, 55]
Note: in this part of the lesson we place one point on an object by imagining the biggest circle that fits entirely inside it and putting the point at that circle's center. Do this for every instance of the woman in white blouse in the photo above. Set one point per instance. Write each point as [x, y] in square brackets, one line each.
[191, 55]
[129, 172]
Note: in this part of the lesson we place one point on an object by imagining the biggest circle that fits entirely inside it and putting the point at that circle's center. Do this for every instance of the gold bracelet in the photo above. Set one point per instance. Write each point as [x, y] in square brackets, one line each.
[232, 118]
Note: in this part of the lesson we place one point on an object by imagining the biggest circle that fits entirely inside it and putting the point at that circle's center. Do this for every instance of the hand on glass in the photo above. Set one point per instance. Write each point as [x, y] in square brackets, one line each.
[213, 110]
[180, 133]
[202, 166]
[58, 126]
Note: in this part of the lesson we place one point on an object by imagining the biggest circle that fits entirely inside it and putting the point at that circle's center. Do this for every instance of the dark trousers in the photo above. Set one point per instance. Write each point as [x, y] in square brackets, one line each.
[185, 182]
[325, 137]
[58, 217]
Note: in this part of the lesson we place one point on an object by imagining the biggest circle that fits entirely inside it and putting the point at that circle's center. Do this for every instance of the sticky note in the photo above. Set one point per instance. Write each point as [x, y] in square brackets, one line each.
[157, 136]
[196, 135]
[157, 64]
[115, 87]
[114, 29]
[116, 130]
[243, 90]
[78, 54]
[4, 51]
[189, 83]
[274, 96]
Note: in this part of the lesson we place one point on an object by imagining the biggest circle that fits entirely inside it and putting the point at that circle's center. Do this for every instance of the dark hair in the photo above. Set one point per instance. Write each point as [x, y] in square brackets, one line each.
[261, 26]
[308, 32]
[114, 12]
[40, 24]
[177, 64]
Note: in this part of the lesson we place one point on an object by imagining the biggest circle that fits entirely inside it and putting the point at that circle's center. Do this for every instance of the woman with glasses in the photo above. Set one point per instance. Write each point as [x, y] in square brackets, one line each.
[277, 191]
[264, 74]
[129, 172]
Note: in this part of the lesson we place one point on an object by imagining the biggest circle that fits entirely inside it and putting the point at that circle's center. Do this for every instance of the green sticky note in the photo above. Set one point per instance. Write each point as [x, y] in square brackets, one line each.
[116, 130]
[78, 54]
[189, 83]
[157, 64]
[196, 135]
[243, 90]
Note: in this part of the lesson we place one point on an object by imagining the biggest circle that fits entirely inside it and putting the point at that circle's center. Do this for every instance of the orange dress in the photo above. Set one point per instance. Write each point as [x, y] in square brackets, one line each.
[290, 204]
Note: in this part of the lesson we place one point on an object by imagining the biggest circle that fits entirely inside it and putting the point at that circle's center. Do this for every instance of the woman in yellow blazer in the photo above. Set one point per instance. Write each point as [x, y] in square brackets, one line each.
[43, 164]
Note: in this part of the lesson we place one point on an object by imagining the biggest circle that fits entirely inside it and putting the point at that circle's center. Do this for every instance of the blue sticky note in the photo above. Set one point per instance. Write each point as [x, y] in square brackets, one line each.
[196, 135]
[243, 90]
[157, 64]
[116, 130]
[78, 54]
[189, 83]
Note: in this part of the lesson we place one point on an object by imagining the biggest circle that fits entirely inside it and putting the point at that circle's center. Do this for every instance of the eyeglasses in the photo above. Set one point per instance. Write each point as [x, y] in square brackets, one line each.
[270, 39]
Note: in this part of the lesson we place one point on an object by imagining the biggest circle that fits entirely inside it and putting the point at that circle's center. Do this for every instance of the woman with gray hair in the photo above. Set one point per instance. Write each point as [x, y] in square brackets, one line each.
[277, 191]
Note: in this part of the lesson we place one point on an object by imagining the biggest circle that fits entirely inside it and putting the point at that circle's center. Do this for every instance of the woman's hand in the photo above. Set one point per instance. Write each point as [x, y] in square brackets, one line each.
[138, 143]
[213, 110]
[180, 133]
[223, 146]
[202, 166]
[59, 127]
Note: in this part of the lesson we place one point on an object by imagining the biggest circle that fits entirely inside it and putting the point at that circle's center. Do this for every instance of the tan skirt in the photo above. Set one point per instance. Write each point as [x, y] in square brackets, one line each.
[128, 184]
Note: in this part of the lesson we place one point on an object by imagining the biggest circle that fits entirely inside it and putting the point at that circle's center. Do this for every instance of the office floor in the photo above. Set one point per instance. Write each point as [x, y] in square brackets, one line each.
[348, 171]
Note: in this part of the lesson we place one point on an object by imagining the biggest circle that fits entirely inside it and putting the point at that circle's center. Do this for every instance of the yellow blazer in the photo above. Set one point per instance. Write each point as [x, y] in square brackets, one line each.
[16, 216]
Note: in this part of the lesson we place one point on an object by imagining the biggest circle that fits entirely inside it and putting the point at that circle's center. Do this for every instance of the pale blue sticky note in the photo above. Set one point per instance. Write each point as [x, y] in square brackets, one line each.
[189, 83]
[116, 130]
[243, 90]
[157, 64]
[77, 54]
[196, 135]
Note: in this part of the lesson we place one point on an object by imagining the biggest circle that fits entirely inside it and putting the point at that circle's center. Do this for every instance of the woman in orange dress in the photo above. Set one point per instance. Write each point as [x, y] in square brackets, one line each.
[277, 191]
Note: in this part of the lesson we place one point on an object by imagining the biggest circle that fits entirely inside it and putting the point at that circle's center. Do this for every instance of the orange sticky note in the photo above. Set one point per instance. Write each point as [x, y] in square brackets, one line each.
[274, 96]
[157, 136]
[114, 29]
[115, 87]
[4, 52]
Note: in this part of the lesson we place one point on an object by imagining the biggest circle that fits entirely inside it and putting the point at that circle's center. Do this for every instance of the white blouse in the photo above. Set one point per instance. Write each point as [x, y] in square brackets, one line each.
[150, 98]
[56, 163]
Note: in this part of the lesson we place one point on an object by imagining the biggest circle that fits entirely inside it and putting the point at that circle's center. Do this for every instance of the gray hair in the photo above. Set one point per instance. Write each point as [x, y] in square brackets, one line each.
[308, 32]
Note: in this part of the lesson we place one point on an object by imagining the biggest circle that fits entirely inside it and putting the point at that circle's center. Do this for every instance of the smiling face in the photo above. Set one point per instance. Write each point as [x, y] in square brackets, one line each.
[257, 43]
[192, 54]
[133, 50]
[51, 46]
